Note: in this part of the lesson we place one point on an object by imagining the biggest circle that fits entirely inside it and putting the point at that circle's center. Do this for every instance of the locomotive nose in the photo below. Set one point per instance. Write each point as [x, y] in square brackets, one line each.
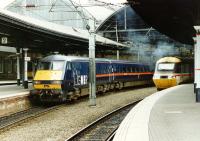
[48, 79]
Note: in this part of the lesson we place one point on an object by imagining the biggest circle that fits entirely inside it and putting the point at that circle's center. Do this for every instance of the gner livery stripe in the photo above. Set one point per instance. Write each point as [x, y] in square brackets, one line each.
[122, 74]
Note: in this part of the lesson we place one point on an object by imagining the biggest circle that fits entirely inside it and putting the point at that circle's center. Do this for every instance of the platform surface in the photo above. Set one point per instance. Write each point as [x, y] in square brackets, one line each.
[10, 82]
[176, 116]
[7, 91]
[168, 115]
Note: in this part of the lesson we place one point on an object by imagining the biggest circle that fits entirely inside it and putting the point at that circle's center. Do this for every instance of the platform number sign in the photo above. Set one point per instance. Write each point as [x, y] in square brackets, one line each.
[4, 40]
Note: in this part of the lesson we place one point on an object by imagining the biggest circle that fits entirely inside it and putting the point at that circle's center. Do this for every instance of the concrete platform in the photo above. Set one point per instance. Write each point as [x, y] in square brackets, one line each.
[13, 90]
[10, 82]
[168, 115]
[13, 99]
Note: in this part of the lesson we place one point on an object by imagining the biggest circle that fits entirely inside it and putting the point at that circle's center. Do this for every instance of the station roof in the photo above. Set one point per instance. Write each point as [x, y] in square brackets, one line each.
[45, 35]
[96, 7]
[74, 13]
[174, 18]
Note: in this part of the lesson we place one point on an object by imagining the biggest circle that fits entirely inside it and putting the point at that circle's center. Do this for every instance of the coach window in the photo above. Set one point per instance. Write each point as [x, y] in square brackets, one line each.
[124, 68]
[131, 68]
[135, 69]
[104, 69]
[140, 69]
[143, 69]
[114, 68]
[1, 65]
[187, 68]
[182, 68]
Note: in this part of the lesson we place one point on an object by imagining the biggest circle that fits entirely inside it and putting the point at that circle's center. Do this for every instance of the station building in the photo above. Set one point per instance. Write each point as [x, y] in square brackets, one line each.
[144, 43]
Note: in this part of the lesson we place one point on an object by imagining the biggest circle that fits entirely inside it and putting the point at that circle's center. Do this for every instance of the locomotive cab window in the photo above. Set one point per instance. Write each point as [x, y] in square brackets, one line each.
[55, 65]
[68, 66]
[166, 66]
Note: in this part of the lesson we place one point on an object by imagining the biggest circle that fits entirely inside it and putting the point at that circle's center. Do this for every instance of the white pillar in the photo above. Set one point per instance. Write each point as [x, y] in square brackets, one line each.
[92, 64]
[18, 68]
[25, 69]
[117, 38]
[197, 63]
[117, 54]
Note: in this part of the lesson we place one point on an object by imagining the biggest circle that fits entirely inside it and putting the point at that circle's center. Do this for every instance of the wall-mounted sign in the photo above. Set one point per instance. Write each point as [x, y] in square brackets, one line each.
[4, 40]
[27, 58]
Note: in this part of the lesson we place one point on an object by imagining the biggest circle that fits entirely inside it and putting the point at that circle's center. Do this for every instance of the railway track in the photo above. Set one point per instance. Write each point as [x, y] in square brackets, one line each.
[103, 129]
[18, 118]
[15, 119]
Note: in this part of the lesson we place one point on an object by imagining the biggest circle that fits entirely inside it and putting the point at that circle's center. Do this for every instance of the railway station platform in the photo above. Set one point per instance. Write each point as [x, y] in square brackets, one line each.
[10, 82]
[168, 115]
[13, 98]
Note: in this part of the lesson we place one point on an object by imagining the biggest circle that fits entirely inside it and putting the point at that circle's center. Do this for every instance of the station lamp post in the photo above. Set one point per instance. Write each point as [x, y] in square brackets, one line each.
[92, 63]
[26, 59]
[18, 68]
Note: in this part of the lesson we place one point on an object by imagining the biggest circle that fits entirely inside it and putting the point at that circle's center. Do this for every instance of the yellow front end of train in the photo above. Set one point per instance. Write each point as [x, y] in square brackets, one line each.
[164, 76]
[163, 83]
[172, 71]
[47, 79]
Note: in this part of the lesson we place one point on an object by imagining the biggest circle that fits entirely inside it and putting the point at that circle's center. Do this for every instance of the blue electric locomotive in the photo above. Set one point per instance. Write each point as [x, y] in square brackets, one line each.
[61, 78]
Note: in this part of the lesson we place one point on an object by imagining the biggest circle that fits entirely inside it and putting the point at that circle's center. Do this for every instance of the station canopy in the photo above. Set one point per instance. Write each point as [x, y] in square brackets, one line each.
[73, 13]
[61, 22]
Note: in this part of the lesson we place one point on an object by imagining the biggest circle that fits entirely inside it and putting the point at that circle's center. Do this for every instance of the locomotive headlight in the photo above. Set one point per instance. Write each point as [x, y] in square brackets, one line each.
[56, 82]
[36, 82]
[173, 76]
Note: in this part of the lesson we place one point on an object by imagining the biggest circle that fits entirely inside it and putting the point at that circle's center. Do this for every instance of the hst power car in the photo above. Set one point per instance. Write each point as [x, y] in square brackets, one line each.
[171, 71]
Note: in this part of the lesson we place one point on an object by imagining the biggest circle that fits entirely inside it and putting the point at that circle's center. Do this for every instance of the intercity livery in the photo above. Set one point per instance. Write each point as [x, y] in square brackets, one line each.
[59, 78]
[172, 71]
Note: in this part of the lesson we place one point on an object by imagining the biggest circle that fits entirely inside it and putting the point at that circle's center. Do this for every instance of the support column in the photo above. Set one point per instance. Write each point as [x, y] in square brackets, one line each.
[197, 63]
[117, 39]
[92, 64]
[138, 54]
[18, 68]
[117, 54]
[25, 69]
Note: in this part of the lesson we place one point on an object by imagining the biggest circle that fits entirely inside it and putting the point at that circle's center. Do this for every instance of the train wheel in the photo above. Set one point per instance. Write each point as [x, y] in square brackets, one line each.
[77, 92]
[105, 87]
[112, 86]
[159, 89]
[117, 85]
[121, 85]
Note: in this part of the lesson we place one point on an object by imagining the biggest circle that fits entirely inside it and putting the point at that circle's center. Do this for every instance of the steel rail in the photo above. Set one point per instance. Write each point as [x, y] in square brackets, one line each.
[102, 128]
[18, 118]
